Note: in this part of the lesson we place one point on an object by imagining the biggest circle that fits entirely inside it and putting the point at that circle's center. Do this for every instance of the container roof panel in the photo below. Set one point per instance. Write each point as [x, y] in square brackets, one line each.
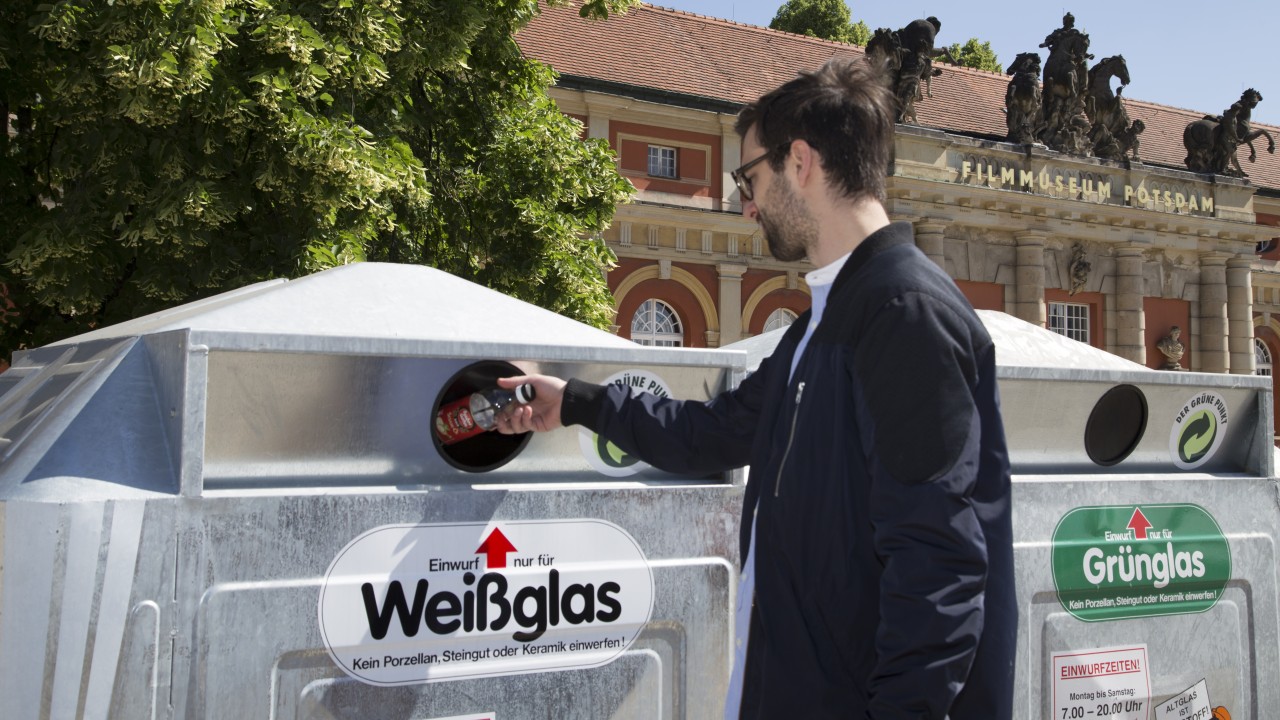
[371, 301]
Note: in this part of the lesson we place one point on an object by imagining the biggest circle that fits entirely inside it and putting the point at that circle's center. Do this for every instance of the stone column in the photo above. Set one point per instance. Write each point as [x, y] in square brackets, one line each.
[929, 238]
[1212, 339]
[1029, 303]
[730, 301]
[1240, 315]
[1131, 324]
[730, 159]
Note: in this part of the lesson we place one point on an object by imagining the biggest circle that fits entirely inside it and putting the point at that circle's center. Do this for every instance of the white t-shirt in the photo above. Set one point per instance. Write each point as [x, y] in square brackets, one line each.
[819, 282]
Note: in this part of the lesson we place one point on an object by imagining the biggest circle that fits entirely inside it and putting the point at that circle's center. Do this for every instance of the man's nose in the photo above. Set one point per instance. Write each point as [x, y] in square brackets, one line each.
[749, 210]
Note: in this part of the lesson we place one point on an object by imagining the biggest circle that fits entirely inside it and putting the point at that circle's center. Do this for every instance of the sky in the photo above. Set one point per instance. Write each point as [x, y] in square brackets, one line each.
[1193, 55]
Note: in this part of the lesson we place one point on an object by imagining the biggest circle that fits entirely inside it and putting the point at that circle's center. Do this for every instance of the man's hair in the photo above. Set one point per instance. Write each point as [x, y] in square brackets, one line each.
[845, 110]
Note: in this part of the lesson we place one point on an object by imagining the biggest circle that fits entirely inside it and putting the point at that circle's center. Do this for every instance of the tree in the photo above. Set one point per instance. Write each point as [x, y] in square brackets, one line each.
[859, 34]
[827, 19]
[976, 54]
[159, 151]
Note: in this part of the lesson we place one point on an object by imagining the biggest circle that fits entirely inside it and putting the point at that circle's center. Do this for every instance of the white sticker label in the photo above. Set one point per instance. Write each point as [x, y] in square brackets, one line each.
[1198, 430]
[1190, 704]
[1109, 684]
[406, 604]
[602, 455]
[480, 716]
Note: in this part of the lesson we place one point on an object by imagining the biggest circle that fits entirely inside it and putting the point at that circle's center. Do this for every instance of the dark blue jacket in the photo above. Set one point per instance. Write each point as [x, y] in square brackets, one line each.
[880, 485]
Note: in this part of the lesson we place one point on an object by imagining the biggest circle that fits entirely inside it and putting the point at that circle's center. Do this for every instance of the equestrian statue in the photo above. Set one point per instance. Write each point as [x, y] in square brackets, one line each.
[1211, 142]
[1111, 135]
[1065, 81]
[908, 55]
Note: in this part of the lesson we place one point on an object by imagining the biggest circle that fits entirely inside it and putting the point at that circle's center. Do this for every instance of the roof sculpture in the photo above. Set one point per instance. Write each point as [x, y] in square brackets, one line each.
[698, 61]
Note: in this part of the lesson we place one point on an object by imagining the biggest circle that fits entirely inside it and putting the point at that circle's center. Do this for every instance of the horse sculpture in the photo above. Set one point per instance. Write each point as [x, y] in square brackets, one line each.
[1111, 135]
[1212, 141]
[1022, 100]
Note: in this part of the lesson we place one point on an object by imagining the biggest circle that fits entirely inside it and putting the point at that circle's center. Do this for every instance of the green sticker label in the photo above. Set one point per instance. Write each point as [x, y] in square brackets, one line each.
[1127, 561]
[1198, 430]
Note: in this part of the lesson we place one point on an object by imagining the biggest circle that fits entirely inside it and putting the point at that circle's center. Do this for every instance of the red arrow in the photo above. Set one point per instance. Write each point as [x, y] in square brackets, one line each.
[495, 547]
[1139, 524]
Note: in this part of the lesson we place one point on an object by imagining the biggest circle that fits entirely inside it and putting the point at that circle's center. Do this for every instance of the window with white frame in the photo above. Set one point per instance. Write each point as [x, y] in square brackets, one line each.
[1070, 319]
[656, 323]
[779, 318]
[662, 161]
[1261, 358]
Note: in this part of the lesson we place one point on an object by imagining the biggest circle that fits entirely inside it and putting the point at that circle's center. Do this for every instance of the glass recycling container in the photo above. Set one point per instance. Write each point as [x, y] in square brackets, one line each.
[239, 508]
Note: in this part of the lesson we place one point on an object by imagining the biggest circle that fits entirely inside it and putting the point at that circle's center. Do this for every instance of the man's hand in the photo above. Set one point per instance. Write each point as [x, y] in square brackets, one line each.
[541, 415]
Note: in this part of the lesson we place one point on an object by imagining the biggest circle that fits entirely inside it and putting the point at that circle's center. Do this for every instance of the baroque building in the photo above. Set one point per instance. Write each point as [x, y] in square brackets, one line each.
[1111, 253]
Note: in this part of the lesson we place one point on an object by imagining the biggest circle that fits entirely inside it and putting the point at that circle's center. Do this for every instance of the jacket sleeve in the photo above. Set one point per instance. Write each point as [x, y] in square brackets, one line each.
[679, 436]
[917, 371]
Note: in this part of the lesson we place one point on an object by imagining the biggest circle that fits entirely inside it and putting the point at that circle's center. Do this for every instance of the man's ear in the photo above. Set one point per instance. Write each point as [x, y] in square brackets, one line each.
[804, 159]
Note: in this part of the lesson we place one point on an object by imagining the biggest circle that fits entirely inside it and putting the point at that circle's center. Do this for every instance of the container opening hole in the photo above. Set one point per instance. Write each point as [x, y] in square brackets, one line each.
[1116, 425]
[488, 450]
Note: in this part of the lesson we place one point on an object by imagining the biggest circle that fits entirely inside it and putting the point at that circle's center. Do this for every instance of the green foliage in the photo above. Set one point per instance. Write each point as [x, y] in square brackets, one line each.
[859, 34]
[976, 54]
[827, 19]
[159, 151]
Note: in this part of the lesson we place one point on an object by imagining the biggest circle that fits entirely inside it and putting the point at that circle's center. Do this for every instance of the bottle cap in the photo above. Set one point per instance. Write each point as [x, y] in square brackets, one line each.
[525, 394]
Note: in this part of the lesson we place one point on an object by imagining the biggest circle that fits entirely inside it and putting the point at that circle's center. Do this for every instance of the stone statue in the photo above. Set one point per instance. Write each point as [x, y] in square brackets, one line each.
[908, 55]
[1111, 135]
[886, 46]
[1022, 102]
[1172, 348]
[1065, 82]
[1212, 141]
[1079, 269]
[1127, 139]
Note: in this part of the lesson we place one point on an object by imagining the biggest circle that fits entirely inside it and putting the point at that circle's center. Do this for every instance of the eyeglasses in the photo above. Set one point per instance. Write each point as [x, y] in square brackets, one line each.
[740, 175]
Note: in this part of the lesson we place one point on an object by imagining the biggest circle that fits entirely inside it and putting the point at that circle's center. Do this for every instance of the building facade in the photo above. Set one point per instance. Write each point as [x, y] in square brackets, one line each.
[1113, 254]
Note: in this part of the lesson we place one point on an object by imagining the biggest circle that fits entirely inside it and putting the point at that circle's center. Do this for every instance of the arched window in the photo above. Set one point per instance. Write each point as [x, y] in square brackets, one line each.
[779, 318]
[656, 323]
[1261, 358]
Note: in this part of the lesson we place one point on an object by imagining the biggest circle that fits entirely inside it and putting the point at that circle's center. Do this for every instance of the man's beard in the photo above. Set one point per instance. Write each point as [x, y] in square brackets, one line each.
[789, 228]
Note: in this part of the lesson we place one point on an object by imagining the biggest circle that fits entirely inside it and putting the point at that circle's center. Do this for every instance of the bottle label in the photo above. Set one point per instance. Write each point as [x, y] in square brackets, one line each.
[454, 422]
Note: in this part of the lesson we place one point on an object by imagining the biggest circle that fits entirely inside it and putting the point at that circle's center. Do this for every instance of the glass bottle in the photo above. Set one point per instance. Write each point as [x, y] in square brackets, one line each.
[478, 412]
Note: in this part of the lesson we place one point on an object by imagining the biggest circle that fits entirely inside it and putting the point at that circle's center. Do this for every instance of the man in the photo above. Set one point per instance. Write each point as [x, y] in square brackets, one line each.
[877, 556]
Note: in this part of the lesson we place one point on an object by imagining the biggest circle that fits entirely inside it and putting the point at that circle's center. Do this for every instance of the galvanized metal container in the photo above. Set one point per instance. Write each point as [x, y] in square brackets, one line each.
[237, 509]
[191, 506]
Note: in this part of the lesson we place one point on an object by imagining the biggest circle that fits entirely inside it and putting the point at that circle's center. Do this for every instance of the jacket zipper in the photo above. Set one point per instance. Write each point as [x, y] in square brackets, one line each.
[795, 414]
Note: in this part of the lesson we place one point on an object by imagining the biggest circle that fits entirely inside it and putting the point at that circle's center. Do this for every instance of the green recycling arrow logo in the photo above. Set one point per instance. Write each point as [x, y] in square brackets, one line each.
[1197, 436]
[612, 455]
[1198, 430]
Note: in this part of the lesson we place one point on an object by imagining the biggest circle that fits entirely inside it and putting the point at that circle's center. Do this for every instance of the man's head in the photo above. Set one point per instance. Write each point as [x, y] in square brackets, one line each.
[844, 111]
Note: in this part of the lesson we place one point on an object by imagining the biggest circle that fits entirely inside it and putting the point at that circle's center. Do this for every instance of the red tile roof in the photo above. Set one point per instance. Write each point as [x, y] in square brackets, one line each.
[679, 52]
